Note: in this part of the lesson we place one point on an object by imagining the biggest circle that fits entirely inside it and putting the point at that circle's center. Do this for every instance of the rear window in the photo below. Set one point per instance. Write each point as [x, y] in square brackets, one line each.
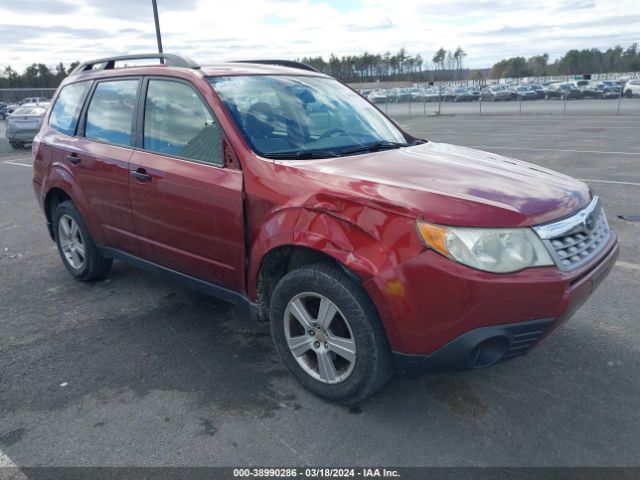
[110, 113]
[29, 111]
[65, 113]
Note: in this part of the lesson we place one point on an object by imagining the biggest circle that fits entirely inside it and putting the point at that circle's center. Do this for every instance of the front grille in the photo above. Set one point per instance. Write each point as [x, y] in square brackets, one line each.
[576, 249]
[574, 241]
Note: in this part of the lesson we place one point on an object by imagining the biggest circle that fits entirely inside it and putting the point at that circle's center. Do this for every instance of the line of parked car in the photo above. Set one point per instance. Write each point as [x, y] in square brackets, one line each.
[577, 89]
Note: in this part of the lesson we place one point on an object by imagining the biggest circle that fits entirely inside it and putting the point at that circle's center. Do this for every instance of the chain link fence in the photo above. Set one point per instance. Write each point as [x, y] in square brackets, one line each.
[21, 113]
[567, 96]
[22, 110]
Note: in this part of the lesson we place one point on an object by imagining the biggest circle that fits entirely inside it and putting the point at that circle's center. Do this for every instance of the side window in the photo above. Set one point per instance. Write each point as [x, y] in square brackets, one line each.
[177, 122]
[65, 112]
[110, 112]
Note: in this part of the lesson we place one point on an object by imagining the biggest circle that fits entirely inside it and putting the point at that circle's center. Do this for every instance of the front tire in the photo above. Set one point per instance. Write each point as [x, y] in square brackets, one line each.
[628, 94]
[328, 334]
[79, 253]
[16, 144]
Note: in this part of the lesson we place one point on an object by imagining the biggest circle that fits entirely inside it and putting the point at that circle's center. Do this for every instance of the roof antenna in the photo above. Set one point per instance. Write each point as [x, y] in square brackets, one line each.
[158, 36]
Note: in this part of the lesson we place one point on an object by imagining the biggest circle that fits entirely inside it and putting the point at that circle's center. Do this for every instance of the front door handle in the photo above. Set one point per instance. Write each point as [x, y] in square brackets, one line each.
[141, 174]
[73, 158]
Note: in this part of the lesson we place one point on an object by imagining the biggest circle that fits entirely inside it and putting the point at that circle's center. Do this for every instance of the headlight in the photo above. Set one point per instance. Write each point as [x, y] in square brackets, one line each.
[497, 250]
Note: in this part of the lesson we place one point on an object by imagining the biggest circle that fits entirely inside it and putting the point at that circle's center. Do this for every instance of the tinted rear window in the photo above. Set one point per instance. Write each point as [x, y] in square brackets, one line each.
[110, 113]
[65, 113]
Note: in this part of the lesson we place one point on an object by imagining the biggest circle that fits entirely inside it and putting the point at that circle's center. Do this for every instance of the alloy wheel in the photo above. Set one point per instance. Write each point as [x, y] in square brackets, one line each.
[71, 242]
[320, 338]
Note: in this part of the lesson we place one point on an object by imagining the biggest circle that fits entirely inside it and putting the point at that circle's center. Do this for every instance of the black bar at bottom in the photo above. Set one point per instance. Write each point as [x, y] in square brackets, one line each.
[404, 473]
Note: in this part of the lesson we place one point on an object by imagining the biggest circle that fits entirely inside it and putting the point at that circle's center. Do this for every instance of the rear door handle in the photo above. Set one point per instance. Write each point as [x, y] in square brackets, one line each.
[73, 158]
[141, 174]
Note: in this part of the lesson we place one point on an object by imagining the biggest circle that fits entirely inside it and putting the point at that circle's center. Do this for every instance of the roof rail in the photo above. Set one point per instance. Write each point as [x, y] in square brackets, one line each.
[282, 63]
[108, 63]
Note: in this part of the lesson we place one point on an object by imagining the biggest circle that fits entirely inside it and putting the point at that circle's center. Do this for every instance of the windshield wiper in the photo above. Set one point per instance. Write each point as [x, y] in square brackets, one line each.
[300, 155]
[373, 147]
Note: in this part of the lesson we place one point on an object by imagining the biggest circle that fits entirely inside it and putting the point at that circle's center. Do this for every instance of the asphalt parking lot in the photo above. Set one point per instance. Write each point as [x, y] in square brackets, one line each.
[133, 370]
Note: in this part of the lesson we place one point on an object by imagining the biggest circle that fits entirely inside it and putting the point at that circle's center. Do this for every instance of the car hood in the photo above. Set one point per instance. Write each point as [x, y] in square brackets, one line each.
[453, 185]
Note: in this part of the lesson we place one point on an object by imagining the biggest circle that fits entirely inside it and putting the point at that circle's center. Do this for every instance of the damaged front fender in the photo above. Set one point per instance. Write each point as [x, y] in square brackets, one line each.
[360, 236]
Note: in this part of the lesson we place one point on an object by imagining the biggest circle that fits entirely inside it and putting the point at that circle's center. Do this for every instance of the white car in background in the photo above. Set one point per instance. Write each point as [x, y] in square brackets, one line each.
[24, 123]
[632, 88]
[26, 102]
[378, 96]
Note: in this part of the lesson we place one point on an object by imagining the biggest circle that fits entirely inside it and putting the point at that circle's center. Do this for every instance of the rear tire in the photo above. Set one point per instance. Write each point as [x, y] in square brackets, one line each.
[16, 144]
[77, 249]
[297, 325]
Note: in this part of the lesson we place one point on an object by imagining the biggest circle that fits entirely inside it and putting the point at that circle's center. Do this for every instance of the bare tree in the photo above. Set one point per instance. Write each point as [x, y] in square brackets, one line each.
[438, 59]
[458, 57]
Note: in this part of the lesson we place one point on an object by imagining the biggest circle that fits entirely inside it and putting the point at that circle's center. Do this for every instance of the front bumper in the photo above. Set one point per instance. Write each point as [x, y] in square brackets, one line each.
[436, 311]
[479, 348]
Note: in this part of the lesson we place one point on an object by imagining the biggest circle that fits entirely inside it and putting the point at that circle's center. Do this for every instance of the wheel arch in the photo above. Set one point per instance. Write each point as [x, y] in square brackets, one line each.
[60, 186]
[282, 259]
[52, 199]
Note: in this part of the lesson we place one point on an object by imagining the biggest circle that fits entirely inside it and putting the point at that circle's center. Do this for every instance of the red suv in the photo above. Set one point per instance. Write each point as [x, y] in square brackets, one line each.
[275, 187]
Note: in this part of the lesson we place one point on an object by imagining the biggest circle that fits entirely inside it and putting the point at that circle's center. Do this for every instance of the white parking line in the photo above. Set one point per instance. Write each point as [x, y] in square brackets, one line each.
[535, 135]
[632, 266]
[14, 473]
[5, 461]
[614, 182]
[546, 124]
[18, 163]
[552, 150]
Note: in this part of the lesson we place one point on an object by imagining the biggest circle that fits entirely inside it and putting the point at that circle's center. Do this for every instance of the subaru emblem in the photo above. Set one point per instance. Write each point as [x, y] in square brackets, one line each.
[590, 222]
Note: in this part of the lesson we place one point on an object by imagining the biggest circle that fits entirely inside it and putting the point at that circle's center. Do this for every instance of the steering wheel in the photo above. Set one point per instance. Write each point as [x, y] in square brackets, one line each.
[331, 131]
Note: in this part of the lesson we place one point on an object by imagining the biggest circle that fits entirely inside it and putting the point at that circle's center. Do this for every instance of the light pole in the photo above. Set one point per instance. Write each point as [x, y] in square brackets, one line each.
[158, 37]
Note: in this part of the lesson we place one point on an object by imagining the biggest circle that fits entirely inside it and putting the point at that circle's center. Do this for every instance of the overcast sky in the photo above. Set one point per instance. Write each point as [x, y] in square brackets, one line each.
[49, 31]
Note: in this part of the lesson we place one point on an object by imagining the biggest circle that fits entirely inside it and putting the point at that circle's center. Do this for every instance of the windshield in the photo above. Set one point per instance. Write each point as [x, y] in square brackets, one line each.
[304, 117]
